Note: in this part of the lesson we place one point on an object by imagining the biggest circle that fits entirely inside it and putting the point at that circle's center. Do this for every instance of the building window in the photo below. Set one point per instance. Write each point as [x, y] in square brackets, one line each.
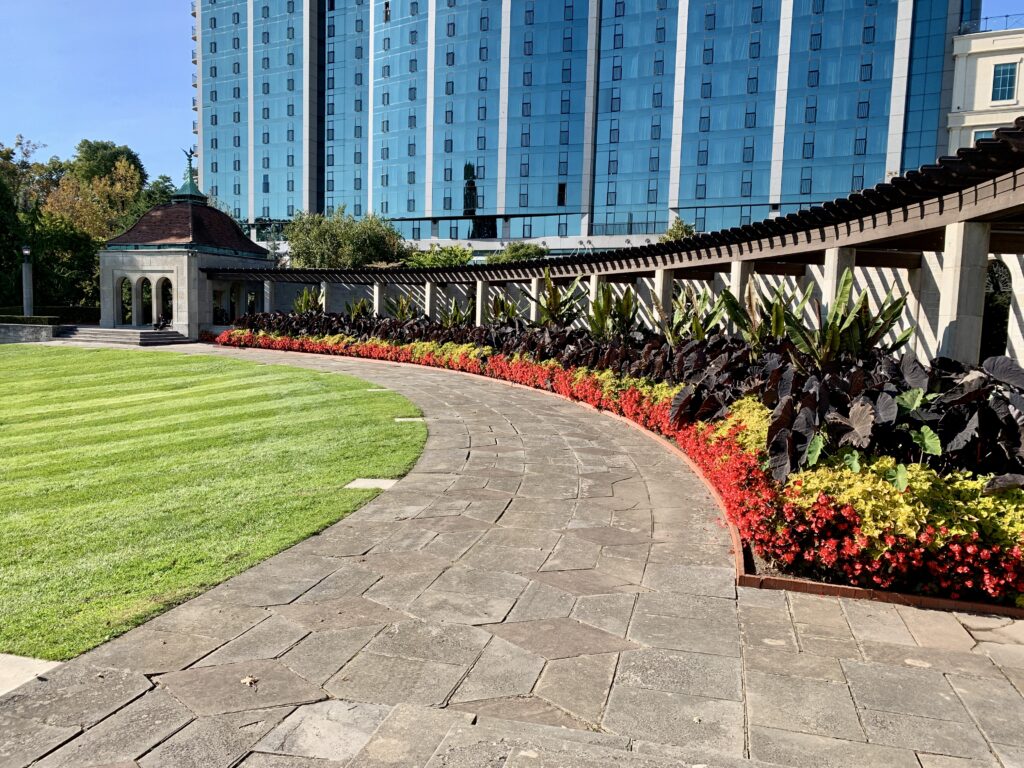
[805, 181]
[984, 135]
[701, 189]
[866, 68]
[868, 35]
[611, 196]
[860, 142]
[705, 119]
[613, 132]
[659, 32]
[748, 149]
[659, 63]
[616, 103]
[654, 160]
[655, 127]
[756, 12]
[617, 39]
[752, 80]
[750, 117]
[808, 149]
[811, 109]
[702, 152]
[863, 106]
[1004, 82]
[705, 86]
[652, 192]
[657, 96]
[746, 184]
[709, 18]
[754, 49]
[813, 75]
[613, 162]
[815, 41]
[857, 180]
[567, 41]
[616, 68]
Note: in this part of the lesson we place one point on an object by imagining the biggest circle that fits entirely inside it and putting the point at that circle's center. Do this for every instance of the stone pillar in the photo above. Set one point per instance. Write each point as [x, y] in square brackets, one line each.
[430, 300]
[837, 261]
[326, 295]
[155, 300]
[483, 295]
[269, 296]
[534, 314]
[962, 290]
[594, 289]
[378, 299]
[136, 303]
[662, 294]
[27, 298]
[739, 276]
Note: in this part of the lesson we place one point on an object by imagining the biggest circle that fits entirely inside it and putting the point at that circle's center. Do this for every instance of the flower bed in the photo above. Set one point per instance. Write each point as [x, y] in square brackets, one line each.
[940, 536]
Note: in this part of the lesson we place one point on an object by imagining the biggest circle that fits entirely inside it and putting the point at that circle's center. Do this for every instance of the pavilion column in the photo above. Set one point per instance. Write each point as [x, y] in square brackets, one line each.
[269, 295]
[534, 314]
[155, 301]
[430, 299]
[137, 303]
[837, 261]
[662, 294]
[962, 290]
[378, 299]
[483, 294]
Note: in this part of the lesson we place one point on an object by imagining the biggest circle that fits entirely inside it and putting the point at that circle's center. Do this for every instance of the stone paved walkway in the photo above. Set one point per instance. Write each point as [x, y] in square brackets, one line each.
[548, 588]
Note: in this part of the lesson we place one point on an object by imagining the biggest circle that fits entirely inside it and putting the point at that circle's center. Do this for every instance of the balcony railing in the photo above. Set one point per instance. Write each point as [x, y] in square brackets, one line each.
[993, 24]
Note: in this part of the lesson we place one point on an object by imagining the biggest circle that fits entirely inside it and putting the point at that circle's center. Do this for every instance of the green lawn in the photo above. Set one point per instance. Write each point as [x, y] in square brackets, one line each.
[130, 481]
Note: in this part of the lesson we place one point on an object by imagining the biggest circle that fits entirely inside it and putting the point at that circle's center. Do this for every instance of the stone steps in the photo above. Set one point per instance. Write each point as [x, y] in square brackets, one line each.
[123, 336]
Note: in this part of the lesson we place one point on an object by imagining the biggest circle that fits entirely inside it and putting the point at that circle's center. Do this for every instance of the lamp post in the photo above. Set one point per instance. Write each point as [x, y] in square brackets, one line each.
[26, 281]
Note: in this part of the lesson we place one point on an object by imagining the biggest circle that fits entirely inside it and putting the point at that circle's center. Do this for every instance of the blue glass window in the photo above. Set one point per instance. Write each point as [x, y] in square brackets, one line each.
[1004, 82]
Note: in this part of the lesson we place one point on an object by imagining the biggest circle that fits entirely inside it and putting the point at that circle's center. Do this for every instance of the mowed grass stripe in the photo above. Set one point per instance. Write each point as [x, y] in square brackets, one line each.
[153, 436]
[124, 422]
[106, 524]
[31, 493]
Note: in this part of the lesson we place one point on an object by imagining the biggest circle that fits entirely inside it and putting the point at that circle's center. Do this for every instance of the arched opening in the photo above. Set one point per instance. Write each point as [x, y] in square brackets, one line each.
[146, 302]
[234, 302]
[165, 300]
[996, 320]
[124, 299]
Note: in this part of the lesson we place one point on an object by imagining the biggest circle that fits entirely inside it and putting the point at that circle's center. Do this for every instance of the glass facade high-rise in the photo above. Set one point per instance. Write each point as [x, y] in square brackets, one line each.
[576, 122]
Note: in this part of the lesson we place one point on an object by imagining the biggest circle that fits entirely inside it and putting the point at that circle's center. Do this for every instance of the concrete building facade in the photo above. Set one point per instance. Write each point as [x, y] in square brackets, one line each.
[987, 88]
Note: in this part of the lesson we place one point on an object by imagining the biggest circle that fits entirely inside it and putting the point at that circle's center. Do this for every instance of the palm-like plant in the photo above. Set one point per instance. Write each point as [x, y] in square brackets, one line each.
[402, 309]
[854, 328]
[453, 315]
[759, 321]
[695, 315]
[557, 308]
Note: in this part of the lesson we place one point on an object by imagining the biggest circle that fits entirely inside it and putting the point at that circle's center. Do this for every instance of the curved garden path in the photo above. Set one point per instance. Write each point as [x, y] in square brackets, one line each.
[548, 587]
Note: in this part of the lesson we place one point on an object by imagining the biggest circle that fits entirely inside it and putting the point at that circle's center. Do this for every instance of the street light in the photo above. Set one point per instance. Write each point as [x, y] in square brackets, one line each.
[26, 281]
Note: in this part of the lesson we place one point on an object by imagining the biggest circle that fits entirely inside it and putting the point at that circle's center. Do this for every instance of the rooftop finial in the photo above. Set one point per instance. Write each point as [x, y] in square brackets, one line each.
[189, 191]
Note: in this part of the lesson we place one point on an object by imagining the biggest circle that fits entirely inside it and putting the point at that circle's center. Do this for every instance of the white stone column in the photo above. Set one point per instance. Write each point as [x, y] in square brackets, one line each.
[378, 299]
[483, 294]
[962, 290]
[326, 296]
[594, 289]
[837, 261]
[155, 300]
[430, 299]
[739, 276]
[534, 314]
[269, 296]
[662, 294]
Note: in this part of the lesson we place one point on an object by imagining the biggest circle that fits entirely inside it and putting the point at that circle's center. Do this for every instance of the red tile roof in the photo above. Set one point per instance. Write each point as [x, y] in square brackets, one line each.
[189, 224]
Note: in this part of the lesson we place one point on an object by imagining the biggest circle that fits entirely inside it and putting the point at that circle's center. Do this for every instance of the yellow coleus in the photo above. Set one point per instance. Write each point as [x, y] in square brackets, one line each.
[754, 418]
[955, 502]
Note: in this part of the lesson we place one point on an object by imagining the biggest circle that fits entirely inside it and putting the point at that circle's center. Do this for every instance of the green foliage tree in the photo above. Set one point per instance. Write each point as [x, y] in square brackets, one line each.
[341, 241]
[11, 240]
[678, 230]
[28, 180]
[97, 159]
[441, 256]
[518, 251]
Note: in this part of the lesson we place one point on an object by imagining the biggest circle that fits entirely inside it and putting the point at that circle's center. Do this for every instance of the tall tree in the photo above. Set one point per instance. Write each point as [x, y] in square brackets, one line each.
[341, 241]
[11, 239]
[678, 230]
[518, 251]
[28, 180]
[96, 159]
[441, 256]
[99, 206]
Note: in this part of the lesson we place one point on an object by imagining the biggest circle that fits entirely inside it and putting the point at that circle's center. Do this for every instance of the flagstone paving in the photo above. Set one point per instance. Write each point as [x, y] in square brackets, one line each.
[548, 587]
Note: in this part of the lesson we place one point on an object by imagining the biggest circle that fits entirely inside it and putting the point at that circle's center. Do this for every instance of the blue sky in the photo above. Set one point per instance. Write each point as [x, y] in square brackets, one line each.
[119, 70]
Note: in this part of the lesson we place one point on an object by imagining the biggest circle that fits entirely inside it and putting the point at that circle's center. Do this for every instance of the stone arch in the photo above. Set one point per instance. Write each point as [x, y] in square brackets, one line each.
[145, 289]
[124, 302]
[163, 300]
[995, 324]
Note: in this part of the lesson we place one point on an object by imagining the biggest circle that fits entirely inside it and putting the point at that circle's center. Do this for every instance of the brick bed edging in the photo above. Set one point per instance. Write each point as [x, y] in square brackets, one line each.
[742, 558]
